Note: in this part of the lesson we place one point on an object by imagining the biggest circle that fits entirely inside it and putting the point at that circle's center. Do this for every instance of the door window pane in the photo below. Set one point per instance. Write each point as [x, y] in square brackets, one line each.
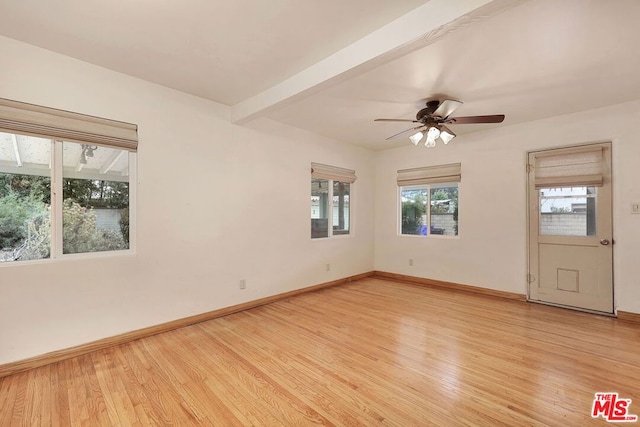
[319, 208]
[25, 197]
[95, 191]
[568, 211]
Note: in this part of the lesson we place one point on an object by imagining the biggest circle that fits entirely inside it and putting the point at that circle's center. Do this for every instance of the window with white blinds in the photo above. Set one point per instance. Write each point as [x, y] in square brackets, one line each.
[573, 167]
[28, 119]
[429, 175]
[318, 170]
[428, 200]
[67, 183]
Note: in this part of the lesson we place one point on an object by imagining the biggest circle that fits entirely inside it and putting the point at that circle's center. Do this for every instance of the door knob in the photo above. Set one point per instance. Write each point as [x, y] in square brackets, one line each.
[604, 242]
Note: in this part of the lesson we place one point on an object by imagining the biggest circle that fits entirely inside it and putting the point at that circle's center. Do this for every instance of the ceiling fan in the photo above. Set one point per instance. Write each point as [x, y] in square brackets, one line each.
[433, 120]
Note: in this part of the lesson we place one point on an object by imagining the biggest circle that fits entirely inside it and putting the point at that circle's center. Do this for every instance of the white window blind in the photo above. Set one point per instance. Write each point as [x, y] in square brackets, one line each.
[34, 120]
[575, 167]
[430, 175]
[334, 173]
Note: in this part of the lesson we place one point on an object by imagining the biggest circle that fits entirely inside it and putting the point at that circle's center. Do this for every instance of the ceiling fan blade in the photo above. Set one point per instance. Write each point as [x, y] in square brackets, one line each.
[446, 108]
[446, 129]
[404, 131]
[496, 118]
[396, 120]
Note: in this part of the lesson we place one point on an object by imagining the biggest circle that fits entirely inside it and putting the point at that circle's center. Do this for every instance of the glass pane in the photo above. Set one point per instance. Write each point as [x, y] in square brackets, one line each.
[444, 209]
[95, 192]
[568, 211]
[25, 198]
[341, 192]
[319, 208]
[414, 208]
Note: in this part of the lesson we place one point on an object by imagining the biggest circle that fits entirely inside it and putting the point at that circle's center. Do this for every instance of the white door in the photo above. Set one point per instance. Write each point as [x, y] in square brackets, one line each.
[570, 228]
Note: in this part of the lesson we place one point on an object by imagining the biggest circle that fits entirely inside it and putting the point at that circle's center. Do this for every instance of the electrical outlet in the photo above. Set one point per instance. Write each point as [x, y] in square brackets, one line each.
[327, 267]
[410, 262]
[243, 284]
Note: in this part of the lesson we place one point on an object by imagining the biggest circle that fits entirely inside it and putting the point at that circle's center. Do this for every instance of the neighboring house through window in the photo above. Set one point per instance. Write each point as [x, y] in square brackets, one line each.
[330, 200]
[428, 202]
[65, 183]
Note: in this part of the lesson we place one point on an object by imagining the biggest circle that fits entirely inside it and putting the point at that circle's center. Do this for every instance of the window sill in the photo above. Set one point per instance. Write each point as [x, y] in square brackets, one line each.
[73, 257]
[430, 236]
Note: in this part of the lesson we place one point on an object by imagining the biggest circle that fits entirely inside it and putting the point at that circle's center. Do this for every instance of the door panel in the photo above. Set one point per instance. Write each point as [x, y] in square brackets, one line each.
[568, 264]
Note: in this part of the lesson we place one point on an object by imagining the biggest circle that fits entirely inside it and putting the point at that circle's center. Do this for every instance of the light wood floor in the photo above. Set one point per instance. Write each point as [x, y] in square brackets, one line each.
[367, 353]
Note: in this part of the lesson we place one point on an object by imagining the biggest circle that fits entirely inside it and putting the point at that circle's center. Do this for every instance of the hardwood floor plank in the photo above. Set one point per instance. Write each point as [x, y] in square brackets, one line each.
[355, 368]
[8, 392]
[262, 385]
[19, 402]
[371, 352]
[292, 376]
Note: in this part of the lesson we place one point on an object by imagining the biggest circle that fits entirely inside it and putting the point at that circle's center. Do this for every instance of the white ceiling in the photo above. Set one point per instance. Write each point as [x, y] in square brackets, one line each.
[224, 50]
[331, 67]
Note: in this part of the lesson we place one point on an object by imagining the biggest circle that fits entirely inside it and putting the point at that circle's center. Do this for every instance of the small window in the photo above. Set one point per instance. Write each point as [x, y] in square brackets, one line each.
[64, 182]
[429, 200]
[568, 211]
[429, 209]
[330, 200]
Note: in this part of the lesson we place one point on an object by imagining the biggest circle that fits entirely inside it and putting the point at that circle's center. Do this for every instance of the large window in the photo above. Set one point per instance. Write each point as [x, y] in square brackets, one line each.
[330, 200]
[428, 202]
[64, 183]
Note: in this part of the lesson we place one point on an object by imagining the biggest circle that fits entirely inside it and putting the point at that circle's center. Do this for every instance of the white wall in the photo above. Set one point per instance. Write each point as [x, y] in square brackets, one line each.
[210, 209]
[209, 212]
[491, 249]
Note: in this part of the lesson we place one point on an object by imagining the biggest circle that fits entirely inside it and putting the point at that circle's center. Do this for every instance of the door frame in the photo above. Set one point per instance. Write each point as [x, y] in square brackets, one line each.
[528, 280]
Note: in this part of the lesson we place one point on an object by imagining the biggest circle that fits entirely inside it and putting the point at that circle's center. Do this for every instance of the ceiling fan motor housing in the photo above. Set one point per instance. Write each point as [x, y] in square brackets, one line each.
[424, 114]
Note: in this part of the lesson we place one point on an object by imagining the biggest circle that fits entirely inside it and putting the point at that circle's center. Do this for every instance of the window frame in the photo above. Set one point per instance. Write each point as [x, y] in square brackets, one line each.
[427, 188]
[56, 211]
[333, 174]
[57, 207]
[330, 195]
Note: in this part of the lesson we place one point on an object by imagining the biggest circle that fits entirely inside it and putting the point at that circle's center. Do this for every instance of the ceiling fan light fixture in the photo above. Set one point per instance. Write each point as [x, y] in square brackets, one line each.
[416, 137]
[432, 134]
[446, 137]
